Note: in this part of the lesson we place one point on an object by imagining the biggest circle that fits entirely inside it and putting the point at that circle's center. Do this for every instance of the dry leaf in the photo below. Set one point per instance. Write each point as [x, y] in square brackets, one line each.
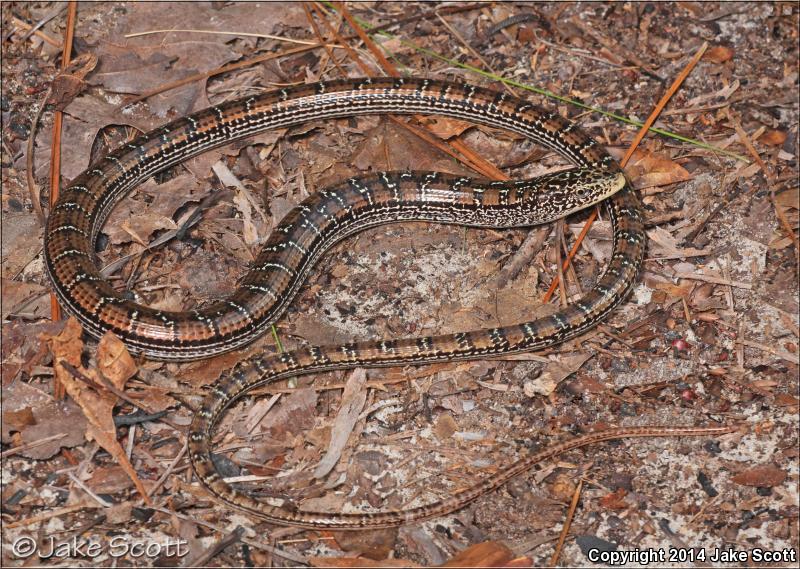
[243, 201]
[97, 406]
[36, 416]
[114, 360]
[353, 399]
[718, 54]
[615, 500]
[446, 127]
[486, 554]
[69, 83]
[646, 170]
[554, 373]
[773, 137]
[445, 426]
[294, 414]
[789, 198]
[765, 476]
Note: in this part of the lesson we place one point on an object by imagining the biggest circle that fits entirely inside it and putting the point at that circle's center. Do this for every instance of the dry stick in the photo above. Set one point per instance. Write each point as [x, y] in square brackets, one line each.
[202, 560]
[43, 517]
[33, 188]
[570, 268]
[639, 136]
[31, 445]
[385, 64]
[52, 14]
[567, 523]
[41, 35]
[562, 287]
[786, 226]
[55, 160]
[523, 255]
[221, 33]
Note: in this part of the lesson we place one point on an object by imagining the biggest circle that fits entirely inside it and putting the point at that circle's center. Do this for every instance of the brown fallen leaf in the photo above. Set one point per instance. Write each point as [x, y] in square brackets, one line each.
[69, 83]
[18, 420]
[718, 54]
[763, 475]
[21, 296]
[773, 137]
[446, 127]
[486, 554]
[789, 198]
[294, 414]
[40, 420]
[374, 544]
[554, 373]
[354, 397]
[114, 361]
[614, 500]
[787, 400]
[141, 227]
[445, 426]
[646, 170]
[116, 366]
[109, 480]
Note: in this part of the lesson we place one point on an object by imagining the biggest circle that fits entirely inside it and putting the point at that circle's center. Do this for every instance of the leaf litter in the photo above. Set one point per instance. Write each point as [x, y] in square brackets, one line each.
[443, 425]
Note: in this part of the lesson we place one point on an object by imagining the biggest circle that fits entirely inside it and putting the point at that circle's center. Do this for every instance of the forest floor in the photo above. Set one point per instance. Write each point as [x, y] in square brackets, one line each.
[708, 336]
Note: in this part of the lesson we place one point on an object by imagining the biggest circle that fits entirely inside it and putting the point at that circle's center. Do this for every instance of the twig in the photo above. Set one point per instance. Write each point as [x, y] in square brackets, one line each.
[689, 239]
[308, 7]
[216, 32]
[55, 158]
[52, 14]
[786, 225]
[714, 280]
[33, 189]
[748, 144]
[168, 471]
[202, 560]
[567, 523]
[89, 492]
[43, 517]
[34, 444]
[524, 253]
[44, 37]
[783, 354]
[560, 267]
